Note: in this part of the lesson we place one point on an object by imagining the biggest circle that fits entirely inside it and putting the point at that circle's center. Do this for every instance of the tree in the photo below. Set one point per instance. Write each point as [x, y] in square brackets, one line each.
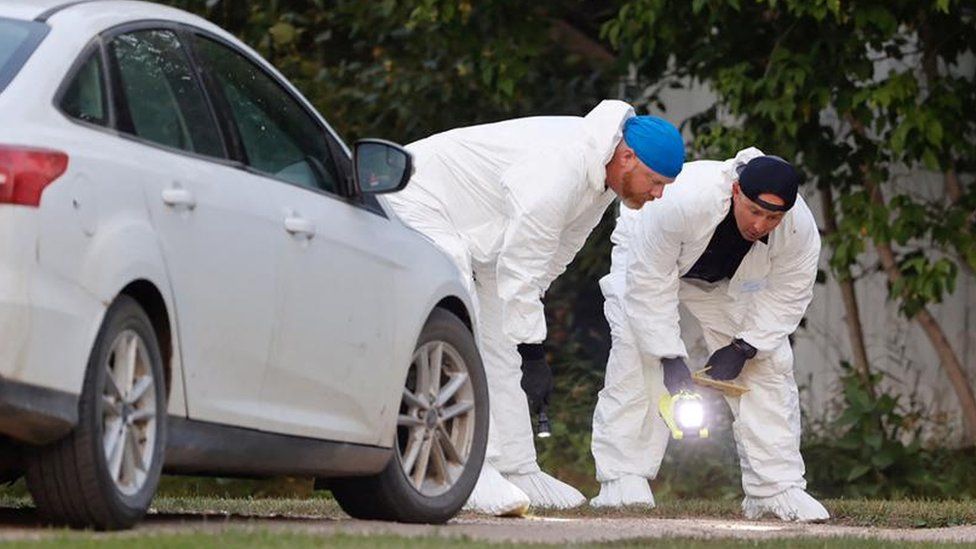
[404, 70]
[856, 93]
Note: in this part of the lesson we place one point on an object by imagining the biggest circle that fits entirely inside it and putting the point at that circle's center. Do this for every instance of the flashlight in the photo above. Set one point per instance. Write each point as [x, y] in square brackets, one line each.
[684, 414]
[543, 431]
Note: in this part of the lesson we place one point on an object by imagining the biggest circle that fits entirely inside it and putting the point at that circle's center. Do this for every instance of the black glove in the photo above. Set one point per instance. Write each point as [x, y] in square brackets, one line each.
[727, 362]
[536, 376]
[676, 374]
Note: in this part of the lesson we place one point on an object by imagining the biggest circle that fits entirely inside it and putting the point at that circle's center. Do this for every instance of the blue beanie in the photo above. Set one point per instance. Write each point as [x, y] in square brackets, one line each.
[657, 143]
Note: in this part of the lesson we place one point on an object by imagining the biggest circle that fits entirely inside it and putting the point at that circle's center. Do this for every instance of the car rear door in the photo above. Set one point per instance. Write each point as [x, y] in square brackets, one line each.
[335, 313]
[217, 229]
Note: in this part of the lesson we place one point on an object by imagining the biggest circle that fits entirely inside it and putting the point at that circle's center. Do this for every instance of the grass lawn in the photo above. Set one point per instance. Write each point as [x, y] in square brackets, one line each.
[270, 539]
[873, 513]
[847, 512]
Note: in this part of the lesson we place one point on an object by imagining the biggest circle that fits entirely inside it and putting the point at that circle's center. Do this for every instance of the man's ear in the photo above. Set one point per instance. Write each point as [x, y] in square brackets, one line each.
[629, 157]
[735, 188]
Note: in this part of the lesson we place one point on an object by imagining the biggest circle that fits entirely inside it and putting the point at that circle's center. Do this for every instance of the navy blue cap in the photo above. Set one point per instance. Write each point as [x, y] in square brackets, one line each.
[770, 175]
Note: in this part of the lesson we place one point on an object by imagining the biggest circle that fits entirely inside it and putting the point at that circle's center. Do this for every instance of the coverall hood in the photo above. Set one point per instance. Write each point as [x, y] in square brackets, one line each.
[604, 127]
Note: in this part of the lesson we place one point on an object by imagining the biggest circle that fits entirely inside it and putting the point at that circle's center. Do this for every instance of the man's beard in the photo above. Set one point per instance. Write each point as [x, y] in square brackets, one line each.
[627, 194]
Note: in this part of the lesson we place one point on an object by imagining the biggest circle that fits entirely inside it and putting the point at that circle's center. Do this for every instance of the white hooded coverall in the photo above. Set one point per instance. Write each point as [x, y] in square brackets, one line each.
[762, 304]
[512, 203]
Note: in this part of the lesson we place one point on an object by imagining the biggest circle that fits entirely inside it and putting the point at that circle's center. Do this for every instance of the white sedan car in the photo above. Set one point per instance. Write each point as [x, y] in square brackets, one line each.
[195, 277]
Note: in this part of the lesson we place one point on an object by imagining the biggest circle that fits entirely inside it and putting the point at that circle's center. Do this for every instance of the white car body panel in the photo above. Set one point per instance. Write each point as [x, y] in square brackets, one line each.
[219, 256]
[317, 355]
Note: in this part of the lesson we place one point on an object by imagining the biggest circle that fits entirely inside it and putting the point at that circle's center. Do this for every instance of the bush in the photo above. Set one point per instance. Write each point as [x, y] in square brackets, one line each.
[875, 449]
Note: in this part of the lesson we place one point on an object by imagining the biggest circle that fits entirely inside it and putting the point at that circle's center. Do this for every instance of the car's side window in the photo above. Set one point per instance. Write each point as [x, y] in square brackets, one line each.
[279, 137]
[165, 103]
[84, 98]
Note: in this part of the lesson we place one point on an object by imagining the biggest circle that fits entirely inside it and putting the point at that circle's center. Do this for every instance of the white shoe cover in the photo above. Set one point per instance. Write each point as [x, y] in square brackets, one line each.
[493, 495]
[792, 505]
[546, 491]
[627, 490]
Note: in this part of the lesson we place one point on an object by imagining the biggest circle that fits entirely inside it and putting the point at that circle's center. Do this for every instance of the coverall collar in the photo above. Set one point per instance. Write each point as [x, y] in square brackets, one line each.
[604, 130]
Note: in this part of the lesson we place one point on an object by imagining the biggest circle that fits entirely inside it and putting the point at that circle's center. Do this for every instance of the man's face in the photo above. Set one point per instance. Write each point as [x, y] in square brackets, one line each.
[642, 185]
[632, 180]
[753, 220]
[638, 183]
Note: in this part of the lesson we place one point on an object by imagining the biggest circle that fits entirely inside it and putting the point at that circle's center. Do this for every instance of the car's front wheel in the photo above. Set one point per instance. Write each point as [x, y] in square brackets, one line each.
[442, 432]
[104, 474]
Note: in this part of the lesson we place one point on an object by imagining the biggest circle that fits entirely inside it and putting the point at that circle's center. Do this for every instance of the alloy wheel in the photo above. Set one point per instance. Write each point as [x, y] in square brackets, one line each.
[128, 412]
[436, 423]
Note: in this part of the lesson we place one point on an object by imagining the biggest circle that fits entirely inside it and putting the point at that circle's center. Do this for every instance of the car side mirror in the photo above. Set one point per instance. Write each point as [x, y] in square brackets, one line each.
[380, 166]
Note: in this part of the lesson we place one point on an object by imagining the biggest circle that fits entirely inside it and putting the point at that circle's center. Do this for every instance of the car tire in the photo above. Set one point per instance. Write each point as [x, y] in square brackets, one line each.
[93, 480]
[445, 482]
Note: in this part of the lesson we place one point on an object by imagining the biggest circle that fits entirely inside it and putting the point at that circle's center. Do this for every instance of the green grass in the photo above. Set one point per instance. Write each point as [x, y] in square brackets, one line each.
[202, 511]
[319, 508]
[903, 513]
[275, 539]
[799, 543]
[876, 513]
[847, 512]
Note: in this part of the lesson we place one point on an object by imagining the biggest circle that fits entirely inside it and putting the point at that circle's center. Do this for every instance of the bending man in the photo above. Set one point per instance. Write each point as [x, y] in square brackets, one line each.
[737, 246]
[511, 203]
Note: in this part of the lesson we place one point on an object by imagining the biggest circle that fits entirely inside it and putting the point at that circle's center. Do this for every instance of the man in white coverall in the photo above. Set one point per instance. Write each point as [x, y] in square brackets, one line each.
[512, 203]
[739, 248]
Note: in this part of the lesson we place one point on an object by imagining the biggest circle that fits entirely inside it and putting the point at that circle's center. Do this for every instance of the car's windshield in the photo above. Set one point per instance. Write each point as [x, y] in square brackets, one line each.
[18, 39]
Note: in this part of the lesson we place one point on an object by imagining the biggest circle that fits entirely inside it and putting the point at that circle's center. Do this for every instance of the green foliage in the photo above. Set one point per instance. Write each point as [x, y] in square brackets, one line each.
[873, 449]
[404, 70]
[856, 92]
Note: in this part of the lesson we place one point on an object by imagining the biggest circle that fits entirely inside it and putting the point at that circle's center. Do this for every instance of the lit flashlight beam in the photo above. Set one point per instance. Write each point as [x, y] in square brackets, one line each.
[690, 414]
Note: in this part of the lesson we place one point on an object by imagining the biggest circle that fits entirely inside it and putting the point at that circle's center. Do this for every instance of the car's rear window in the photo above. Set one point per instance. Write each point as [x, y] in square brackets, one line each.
[18, 39]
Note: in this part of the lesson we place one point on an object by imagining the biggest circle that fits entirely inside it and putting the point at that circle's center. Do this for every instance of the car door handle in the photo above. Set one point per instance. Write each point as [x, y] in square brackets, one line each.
[299, 226]
[176, 196]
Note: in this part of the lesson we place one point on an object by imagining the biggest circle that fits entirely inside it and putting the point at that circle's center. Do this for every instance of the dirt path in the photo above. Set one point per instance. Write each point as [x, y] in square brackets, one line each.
[22, 524]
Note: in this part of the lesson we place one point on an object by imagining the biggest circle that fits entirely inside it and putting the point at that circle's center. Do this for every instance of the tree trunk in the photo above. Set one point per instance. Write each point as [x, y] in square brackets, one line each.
[852, 317]
[947, 356]
[954, 192]
[952, 186]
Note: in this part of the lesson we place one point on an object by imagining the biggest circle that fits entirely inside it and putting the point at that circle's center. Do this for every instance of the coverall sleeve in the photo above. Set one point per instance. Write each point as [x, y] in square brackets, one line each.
[779, 307]
[542, 193]
[651, 287]
[573, 238]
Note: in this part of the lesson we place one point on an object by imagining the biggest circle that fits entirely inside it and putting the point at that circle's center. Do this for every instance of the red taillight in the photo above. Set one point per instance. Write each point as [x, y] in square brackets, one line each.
[26, 171]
